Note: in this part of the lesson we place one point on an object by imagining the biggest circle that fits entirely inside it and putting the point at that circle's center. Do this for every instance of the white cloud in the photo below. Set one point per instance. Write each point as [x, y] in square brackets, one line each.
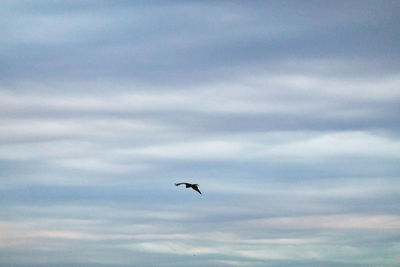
[174, 247]
[351, 221]
[317, 147]
[340, 88]
[339, 144]
[258, 93]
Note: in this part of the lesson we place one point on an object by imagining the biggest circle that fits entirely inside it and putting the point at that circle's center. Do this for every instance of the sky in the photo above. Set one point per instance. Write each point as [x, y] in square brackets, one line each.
[287, 113]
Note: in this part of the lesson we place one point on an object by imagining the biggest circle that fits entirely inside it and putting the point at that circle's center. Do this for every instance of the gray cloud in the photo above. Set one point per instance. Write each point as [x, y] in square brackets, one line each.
[167, 43]
[285, 113]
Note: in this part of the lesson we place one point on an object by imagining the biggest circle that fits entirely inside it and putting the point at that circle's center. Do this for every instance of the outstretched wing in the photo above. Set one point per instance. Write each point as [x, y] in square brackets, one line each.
[196, 189]
[180, 184]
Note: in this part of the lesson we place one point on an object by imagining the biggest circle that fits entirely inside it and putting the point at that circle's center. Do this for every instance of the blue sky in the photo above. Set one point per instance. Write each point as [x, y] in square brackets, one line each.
[285, 112]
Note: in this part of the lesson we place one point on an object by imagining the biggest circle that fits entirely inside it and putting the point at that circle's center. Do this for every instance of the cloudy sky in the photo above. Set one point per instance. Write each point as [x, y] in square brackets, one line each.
[287, 113]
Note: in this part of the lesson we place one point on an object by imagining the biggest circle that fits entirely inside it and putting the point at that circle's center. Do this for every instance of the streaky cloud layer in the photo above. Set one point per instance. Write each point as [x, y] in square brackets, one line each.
[286, 113]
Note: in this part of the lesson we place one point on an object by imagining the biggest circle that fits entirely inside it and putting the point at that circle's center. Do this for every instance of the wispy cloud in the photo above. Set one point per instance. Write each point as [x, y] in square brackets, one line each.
[285, 113]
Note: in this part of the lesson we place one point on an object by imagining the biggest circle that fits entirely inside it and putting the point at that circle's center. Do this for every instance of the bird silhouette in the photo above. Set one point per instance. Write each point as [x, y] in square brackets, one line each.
[193, 186]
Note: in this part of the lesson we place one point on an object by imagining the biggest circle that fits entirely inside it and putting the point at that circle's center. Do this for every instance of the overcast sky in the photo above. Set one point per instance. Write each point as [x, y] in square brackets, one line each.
[287, 113]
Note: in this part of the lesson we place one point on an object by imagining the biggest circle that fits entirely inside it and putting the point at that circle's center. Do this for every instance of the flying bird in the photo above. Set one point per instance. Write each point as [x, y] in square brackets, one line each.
[193, 186]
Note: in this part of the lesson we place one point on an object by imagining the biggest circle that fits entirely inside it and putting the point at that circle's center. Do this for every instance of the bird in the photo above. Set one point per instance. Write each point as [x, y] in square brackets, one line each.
[193, 186]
